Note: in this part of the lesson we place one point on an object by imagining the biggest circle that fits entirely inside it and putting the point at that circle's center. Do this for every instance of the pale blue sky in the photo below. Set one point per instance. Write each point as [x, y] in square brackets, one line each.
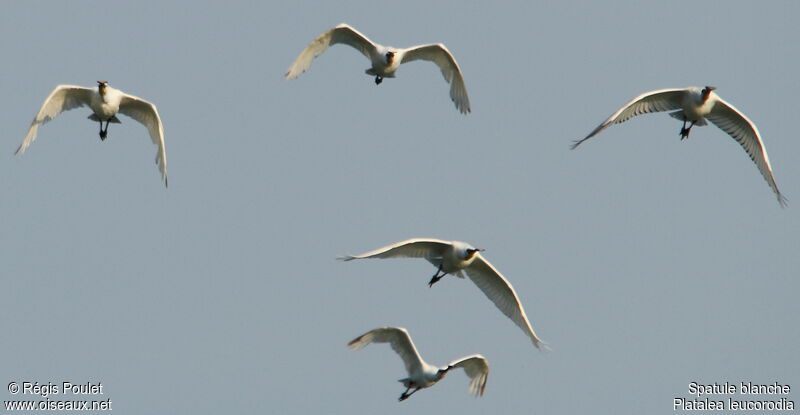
[646, 262]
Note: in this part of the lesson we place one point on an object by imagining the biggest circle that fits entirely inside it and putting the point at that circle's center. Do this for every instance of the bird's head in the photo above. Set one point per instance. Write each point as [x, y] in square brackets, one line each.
[101, 87]
[470, 252]
[442, 372]
[706, 92]
[389, 57]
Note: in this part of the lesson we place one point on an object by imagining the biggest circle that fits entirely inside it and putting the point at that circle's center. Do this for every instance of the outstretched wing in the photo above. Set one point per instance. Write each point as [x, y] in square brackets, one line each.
[737, 125]
[653, 101]
[342, 33]
[63, 98]
[438, 54]
[430, 249]
[147, 114]
[400, 341]
[477, 368]
[502, 294]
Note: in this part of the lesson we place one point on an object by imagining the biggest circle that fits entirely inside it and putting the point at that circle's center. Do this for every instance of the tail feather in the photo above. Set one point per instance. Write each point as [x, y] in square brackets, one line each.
[678, 115]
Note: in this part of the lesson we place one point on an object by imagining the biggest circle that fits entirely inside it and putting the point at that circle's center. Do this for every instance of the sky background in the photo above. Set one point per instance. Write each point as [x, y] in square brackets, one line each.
[646, 262]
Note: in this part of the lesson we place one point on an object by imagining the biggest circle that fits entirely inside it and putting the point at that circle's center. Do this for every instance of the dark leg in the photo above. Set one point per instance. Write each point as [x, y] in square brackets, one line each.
[405, 394]
[378, 80]
[436, 277]
[685, 131]
[103, 133]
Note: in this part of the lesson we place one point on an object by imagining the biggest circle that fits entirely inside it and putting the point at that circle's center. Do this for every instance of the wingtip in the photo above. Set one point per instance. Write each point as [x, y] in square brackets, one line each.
[783, 201]
[345, 258]
[293, 73]
[575, 144]
[22, 147]
[542, 346]
[357, 343]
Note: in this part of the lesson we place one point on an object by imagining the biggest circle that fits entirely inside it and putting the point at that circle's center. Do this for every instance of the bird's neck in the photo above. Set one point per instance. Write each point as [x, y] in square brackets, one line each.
[704, 96]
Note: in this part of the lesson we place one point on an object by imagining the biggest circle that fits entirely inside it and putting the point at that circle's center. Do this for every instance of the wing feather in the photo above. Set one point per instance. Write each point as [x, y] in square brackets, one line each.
[146, 113]
[502, 294]
[343, 34]
[430, 249]
[737, 125]
[477, 369]
[400, 341]
[653, 101]
[63, 98]
[441, 56]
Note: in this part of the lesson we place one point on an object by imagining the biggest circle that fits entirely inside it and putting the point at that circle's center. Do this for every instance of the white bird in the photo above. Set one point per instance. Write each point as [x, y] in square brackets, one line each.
[696, 105]
[105, 103]
[421, 374]
[454, 257]
[385, 60]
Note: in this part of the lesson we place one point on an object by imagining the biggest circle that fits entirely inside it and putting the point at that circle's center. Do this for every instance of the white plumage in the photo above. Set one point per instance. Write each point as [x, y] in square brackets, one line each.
[696, 105]
[457, 258]
[385, 60]
[421, 374]
[105, 102]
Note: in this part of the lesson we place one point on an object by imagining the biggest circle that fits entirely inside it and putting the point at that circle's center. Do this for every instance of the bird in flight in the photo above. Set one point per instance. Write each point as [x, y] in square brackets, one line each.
[385, 60]
[105, 102]
[422, 375]
[695, 105]
[458, 258]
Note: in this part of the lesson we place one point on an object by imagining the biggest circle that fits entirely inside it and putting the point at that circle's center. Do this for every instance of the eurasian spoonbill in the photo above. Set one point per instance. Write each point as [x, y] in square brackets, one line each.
[105, 103]
[695, 105]
[421, 374]
[385, 60]
[457, 258]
